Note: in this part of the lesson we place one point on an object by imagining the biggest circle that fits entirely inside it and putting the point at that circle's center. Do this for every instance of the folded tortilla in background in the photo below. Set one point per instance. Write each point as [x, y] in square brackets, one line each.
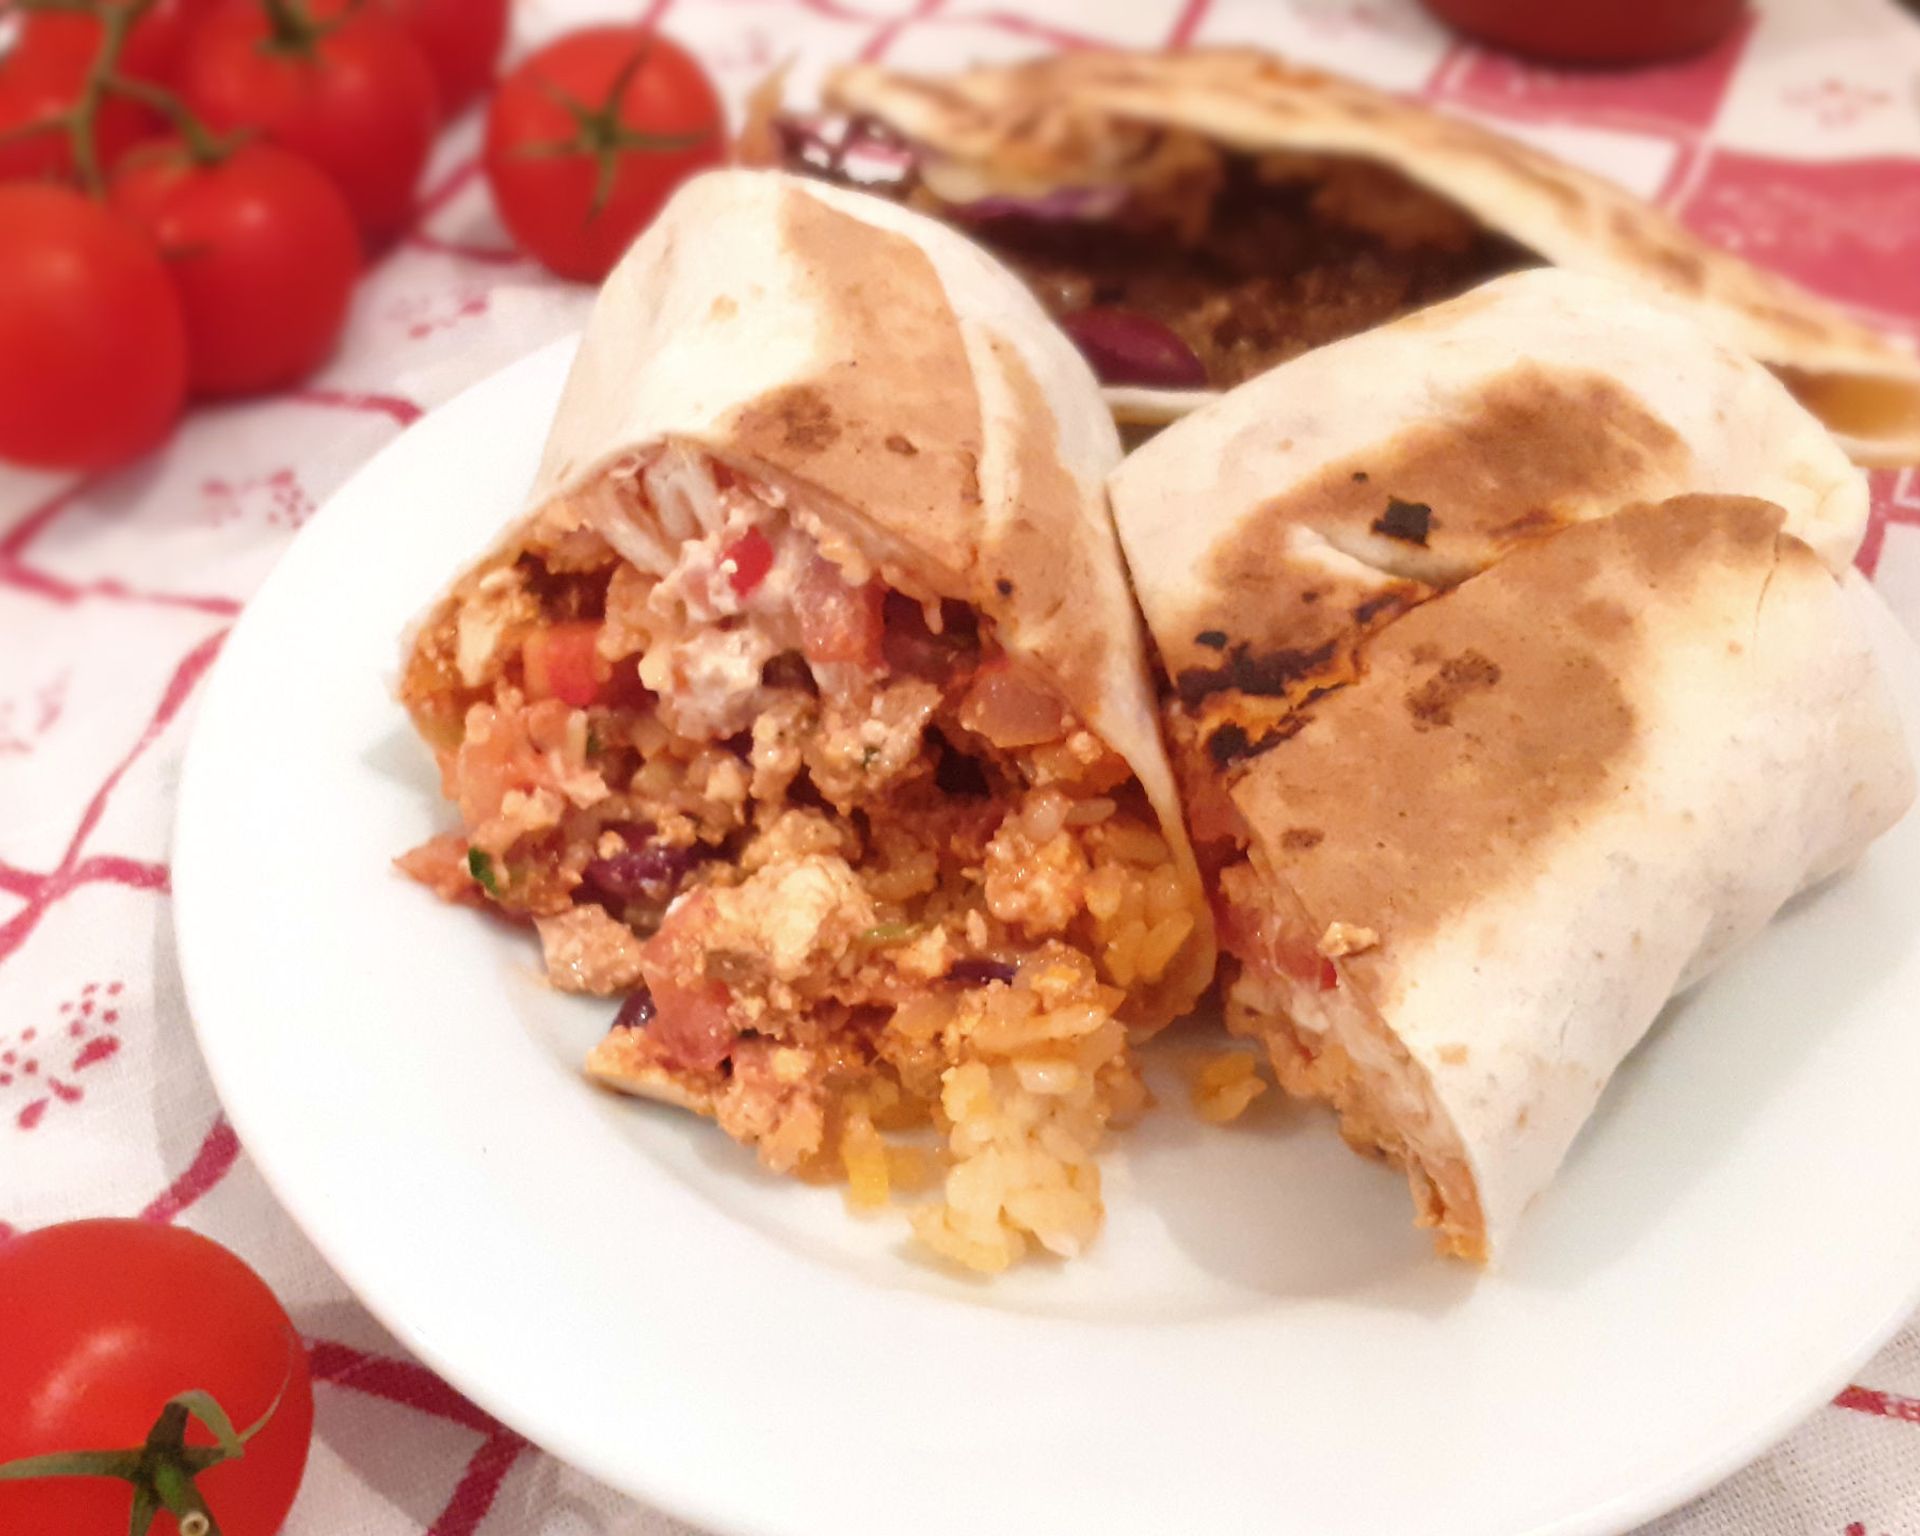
[807, 704]
[1495, 734]
[1270, 209]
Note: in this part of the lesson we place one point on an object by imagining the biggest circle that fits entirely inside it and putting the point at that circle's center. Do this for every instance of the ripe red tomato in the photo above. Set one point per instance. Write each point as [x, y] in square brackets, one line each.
[93, 349]
[1594, 31]
[462, 40]
[153, 48]
[575, 187]
[344, 86]
[263, 251]
[107, 1320]
[38, 81]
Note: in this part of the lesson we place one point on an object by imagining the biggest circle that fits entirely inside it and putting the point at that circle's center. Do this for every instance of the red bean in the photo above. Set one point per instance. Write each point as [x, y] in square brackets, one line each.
[1127, 347]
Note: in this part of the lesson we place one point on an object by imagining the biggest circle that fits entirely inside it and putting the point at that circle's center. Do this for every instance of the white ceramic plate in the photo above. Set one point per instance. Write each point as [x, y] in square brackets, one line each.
[1259, 1342]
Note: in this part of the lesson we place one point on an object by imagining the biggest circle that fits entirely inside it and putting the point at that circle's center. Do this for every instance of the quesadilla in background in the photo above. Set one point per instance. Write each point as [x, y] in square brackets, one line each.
[1494, 736]
[1196, 218]
[806, 707]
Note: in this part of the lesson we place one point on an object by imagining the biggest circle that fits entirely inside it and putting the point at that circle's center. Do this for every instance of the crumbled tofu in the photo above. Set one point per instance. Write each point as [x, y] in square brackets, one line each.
[793, 914]
[1041, 886]
[587, 950]
[1342, 939]
[498, 604]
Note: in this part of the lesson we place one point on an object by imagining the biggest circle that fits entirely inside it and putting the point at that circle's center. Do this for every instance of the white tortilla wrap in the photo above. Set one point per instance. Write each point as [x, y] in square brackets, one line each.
[1078, 120]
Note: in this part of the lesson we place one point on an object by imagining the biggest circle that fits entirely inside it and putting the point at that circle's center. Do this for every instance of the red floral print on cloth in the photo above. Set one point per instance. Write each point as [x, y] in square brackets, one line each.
[276, 500]
[42, 1064]
[421, 315]
[1835, 103]
[27, 717]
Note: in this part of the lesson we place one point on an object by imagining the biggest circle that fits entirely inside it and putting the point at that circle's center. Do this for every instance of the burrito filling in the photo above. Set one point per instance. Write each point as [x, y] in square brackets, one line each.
[1195, 266]
[1281, 986]
[851, 864]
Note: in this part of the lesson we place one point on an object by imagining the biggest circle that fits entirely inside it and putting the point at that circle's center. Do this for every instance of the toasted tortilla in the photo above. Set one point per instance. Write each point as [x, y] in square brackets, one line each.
[1270, 532]
[1559, 794]
[1088, 120]
[911, 396]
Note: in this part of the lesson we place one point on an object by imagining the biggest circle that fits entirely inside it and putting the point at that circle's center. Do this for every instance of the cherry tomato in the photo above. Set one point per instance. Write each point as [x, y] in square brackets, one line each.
[104, 1322]
[39, 82]
[575, 184]
[340, 84]
[1594, 31]
[563, 662]
[153, 47]
[93, 349]
[263, 251]
[462, 40]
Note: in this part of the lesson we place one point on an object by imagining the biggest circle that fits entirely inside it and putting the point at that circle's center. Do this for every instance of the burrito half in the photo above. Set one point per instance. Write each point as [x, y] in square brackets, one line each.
[1492, 737]
[1195, 218]
[807, 709]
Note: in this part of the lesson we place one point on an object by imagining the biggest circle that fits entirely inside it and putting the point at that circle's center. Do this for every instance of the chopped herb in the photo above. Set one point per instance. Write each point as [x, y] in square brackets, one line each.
[480, 866]
[869, 757]
[593, 742]
[889, 933]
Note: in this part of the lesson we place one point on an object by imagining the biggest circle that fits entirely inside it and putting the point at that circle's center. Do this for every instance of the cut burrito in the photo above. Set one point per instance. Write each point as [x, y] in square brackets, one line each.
[807, 708]
[1493, 737]
[1195, 218]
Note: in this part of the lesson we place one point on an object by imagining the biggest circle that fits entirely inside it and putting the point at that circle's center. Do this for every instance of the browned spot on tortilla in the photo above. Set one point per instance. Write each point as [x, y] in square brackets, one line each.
[888, 360]
[1602, 617]
[1055, 608]
[898, 444]
[723, 307]
[1422, 823]
[1531, 450]
[803, 417]
[1431, 704]
[1299, 839]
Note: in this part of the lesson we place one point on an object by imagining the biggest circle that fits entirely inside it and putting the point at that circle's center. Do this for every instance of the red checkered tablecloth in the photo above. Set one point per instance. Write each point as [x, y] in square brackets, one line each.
[1796, 142]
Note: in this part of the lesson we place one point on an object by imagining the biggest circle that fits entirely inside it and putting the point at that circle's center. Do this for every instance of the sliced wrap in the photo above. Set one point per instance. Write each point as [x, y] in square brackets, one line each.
[1291, 207]
[1495, 736]
[807, 705]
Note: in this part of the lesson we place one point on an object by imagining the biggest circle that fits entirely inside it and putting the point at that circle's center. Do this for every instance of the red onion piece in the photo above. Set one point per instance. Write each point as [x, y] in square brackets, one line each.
[1127, 347]
[978, 970]
[636, 1012]
[1061, 204]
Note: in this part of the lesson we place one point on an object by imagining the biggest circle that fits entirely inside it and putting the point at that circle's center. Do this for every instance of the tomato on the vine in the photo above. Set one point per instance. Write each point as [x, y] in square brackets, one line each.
[37, 83]
[588, 138]
[337, 82]
[153, 47]
[263, 252]
[104, 1322]
[462, 40]
[93, 352]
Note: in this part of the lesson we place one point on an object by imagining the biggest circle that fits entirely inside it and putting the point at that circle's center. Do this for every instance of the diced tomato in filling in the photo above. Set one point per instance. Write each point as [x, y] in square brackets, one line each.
[1261, 940]
[839, 622]
[692, 1025]
[1012, 710]
[562, 661]
[748, 559]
